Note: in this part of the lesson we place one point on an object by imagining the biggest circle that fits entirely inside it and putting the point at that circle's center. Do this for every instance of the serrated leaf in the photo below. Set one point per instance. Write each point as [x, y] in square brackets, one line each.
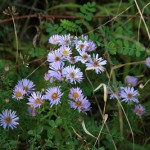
[59, 29]
[111, 48]
[93, 10]
[80, 15]
[89, 17]
[83, 10]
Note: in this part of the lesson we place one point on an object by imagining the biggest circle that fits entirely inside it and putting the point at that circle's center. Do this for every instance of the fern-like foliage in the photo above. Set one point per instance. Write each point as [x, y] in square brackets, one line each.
[70, 26]
[119, 41]
[87, 11]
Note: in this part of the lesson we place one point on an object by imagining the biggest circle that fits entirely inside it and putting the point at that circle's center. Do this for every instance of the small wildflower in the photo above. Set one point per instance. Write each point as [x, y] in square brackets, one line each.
[82, 104]
[84, 57]
[81, 46]
[65, 40]
[53, 95]
[75, 93]
[56, 70]
[55, 56]
[131, 81]
[72, 74]
[113, 95]
[73, 60]
[54, 39]
[18, 93]
[147, 62]
[26, 85]
[8, 118]
[36, 99]
[128, 94]
[32, 111]
[97, 63]
[47, 76]
[91, 46]
[65, 51]
[139, 110]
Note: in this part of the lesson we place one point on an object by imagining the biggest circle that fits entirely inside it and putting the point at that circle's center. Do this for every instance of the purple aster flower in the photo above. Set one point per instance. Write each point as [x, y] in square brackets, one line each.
[84, 57]
[47, 76]
[8, 118]
[73, 60]
[18, 93]
[75, 93]
[82, 104]
[91, 46]
[65, 40]
[53, 95]
[36, 99]
[81, 38]
[113, 95]
[81, 46]
[139, 110]
[54, 39]
[56, 70]
[97, 63]
[32, 111]
[72, 74]
[131, 81]
[55, 56]
[128, 94]
[65, 51]
[147, 62]
[26, 85]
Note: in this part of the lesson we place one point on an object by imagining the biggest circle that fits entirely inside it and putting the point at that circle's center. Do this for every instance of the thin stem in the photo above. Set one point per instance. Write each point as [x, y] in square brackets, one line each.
[148, 33]
[116, 89]
[16, 38]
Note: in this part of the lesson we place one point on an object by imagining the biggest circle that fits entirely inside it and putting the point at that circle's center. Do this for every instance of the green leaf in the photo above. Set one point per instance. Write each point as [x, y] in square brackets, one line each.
[58, 121]
[30, 132]
[39, 130]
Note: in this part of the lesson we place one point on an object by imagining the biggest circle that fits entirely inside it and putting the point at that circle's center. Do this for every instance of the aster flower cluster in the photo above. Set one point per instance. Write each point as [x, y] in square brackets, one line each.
[129, 94]
[78, 100]
[70, 51]
[62, 67]
[22, 88]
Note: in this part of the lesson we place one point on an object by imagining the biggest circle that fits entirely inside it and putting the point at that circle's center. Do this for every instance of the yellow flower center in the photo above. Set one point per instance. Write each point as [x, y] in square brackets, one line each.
[54, 96]
[18, 94]
[38, 101]
[72, 74]
[55, 41]
[78, 103]
[75, 95]
[8, 120]
[138, 111]
[65, 52]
